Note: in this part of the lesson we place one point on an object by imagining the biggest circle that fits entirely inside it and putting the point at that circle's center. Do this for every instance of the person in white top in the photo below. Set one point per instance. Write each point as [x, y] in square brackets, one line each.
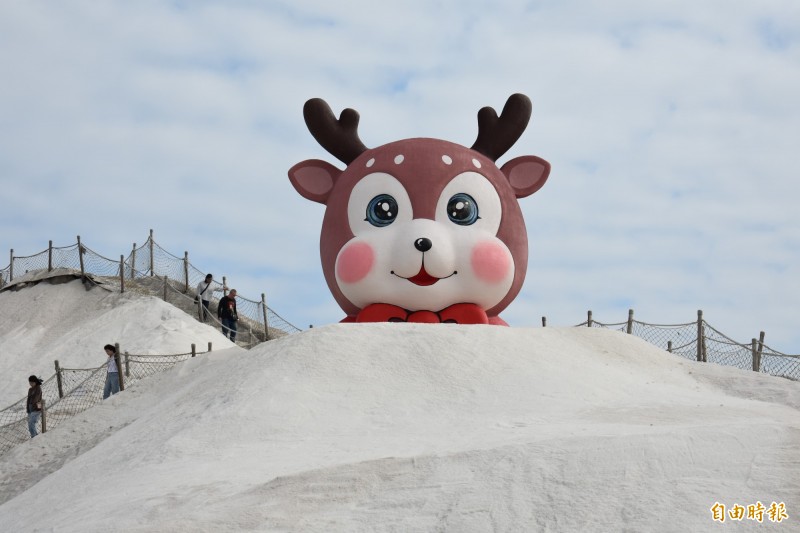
[204, 293]
[112, 374]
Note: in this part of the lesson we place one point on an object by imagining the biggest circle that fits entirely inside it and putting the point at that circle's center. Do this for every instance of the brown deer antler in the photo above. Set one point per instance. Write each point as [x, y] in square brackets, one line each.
[338, 137]
[497, 134]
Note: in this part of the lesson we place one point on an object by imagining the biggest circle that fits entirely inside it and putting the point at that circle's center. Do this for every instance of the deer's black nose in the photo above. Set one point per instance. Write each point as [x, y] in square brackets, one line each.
[423, 244]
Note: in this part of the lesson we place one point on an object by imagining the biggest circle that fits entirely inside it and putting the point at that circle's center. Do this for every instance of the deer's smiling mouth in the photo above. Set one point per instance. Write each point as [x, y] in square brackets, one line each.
[422, 278]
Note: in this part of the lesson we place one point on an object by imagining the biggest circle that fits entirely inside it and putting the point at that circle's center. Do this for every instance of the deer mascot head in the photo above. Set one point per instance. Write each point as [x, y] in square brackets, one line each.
[422, 230]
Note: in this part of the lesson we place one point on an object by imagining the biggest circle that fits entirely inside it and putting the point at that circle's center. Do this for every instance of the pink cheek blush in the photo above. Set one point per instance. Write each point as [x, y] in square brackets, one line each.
[490, 262]
[355, 262]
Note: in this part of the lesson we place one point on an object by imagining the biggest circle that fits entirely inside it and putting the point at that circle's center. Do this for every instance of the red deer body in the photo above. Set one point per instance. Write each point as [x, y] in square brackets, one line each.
[422, 230]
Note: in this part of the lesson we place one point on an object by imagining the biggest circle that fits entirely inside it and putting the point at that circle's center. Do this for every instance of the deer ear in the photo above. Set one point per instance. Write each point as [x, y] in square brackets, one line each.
[314, 179]
[526, 174]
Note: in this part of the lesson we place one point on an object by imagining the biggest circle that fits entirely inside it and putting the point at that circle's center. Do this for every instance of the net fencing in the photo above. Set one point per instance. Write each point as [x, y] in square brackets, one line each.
[73, 390]
[151, 270]
[30, 263]
[715, 346]
[65, 257]
[780, 364]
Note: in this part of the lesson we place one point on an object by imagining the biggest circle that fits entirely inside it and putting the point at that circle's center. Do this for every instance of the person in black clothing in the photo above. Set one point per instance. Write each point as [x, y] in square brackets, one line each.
[34, 404]
[226, 312]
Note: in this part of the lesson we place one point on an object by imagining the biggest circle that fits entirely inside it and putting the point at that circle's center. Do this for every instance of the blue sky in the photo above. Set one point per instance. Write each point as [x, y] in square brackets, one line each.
[672, 128]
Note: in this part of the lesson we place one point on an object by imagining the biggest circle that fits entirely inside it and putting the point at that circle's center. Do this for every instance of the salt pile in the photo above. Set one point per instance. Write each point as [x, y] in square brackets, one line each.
[404, 427]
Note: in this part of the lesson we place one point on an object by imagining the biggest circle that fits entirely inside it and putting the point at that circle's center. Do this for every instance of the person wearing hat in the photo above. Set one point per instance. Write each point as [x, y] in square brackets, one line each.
[34, 404]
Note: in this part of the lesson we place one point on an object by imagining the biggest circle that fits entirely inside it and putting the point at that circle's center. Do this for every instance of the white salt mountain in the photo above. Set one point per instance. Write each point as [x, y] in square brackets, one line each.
[404, 427]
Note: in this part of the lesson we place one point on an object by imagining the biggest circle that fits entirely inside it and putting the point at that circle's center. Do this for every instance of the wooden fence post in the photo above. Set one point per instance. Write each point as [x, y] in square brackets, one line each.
[50, 257]
[119, 367]
[44, 416]
[127, 364]
[544, 321]
[264, 309]
[209, 346]
[59, 380]
[165, 287]
[150, 240]
[589, 319]
[80, 256]
[705, 347]
[669, 346]
[121, 273]
[754, 352]
[200, 316]
[133, 262]
[760, 348]
[700, 335]
[11, 267]
[224, 286]
[186, 271]
[630, 321]
[194, 351]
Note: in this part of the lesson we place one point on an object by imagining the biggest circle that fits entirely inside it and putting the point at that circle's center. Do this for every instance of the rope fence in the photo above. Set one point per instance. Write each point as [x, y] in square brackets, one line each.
[70, 391]
[713, 346]
[150, 270]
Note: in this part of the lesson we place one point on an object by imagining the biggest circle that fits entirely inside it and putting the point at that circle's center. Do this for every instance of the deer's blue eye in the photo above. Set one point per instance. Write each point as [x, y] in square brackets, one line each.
[382, 210]
[462, 209]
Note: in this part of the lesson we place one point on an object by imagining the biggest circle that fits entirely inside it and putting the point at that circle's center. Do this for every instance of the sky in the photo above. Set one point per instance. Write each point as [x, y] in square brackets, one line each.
[671, 129]
[400, 427]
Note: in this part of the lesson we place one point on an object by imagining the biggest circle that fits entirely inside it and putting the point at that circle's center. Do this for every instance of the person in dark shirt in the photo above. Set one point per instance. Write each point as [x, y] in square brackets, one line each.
[34, 405]
[226, 312]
